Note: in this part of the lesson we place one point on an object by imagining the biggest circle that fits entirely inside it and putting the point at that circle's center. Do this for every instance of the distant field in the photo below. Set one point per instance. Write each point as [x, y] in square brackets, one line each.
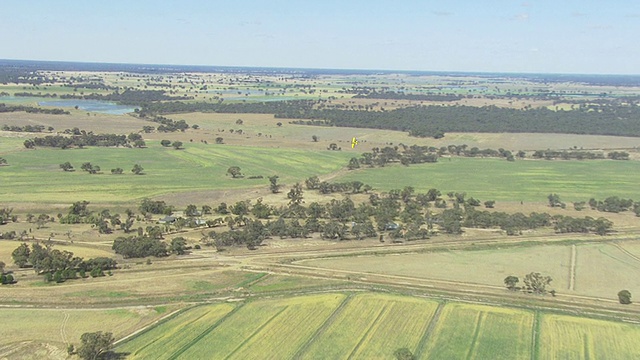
[35, 176]
[601, 269]
[520, 180]
[373, 326]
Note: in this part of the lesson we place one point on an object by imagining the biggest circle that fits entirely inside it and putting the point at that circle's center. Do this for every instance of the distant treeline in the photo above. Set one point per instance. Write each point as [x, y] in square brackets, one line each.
[434, 121]
[86, 139]
[30, 109]
[26, 128]
[392, 95]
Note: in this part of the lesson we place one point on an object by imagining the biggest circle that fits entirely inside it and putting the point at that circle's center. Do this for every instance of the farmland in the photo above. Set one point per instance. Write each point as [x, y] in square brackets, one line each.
[374, 325]
[316, 294]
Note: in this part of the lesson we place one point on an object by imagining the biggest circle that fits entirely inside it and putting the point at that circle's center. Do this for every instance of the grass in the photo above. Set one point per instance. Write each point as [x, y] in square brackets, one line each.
[467, 331]
[35, 176]
[67, 325]
[567, 337]
[488, 267]
[514, 181]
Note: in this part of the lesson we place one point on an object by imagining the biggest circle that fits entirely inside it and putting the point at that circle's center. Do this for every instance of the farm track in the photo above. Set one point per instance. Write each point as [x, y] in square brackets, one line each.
[572, 269]
[427, 334]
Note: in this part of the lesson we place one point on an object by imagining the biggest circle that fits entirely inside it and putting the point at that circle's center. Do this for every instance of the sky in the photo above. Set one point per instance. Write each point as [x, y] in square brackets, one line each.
[545, 36]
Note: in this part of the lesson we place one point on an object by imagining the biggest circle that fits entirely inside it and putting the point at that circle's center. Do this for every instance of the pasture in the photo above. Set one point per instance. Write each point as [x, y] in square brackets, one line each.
[373, 326]
[35, 176]
[59, 327]
[601, 269]
[501, 180]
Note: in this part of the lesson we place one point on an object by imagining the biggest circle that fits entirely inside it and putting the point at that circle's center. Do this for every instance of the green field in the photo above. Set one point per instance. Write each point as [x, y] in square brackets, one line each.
[35, 176]
[524, 180]
[373, 326]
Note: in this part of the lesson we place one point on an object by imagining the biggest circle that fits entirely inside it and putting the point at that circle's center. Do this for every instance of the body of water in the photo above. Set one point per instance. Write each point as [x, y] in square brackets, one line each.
[97, 106]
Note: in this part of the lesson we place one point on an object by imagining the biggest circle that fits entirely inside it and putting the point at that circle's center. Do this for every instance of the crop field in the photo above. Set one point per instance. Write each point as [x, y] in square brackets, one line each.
[603, 270]
[373, 326]
[566, 337]
[197, 167]
[520, 180]
[465, 331]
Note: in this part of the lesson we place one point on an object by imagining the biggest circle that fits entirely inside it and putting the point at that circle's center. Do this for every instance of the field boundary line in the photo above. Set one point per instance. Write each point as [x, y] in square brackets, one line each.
[258, 330]
[321, 330]
[535, 336]
[585, 346]
[476, 334]
[572, 268]
[382, 312]
[150, 326]
[204, 333]
[427, 333]
[158, 338]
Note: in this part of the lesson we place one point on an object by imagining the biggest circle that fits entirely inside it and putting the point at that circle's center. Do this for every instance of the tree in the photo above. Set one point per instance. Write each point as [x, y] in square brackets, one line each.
[274, 186]
[137, 169]
[511, 282]
[279, 124]
[295, 194]
[91, 169]
[139, 143]
[554, 200]
[117, 171]
[239, 122]
[177, 145]
[21, 255]
[536, 283]
[95, 345]
[66, 166]
[489, 204]
[314, 138]
[624, 296]
[219, 140]
[353, 164]
[404, 354]
[234, 171]
[165, 143]
[178, 245]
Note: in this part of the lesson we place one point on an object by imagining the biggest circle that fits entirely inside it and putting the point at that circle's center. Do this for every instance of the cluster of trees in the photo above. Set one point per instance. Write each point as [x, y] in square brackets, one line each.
[615, 204]
[534, 283]
[148, 245]
[58, 265]
[148, 206]
[26, 128]
[568, 155]
[3, 161]
[82, 140]
[169, 125]
[32, 110]
[94, 346]
[94, 169]
[176, 144]
[103, 221]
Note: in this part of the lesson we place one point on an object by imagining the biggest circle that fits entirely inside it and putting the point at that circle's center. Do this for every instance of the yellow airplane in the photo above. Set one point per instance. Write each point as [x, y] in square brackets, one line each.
[354, 142]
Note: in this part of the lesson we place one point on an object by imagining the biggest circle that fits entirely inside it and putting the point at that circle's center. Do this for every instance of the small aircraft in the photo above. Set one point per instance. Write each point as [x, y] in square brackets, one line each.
[354, 142]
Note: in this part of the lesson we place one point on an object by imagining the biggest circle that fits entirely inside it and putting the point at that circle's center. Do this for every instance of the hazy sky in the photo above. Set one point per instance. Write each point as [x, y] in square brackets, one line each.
[553, 36]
